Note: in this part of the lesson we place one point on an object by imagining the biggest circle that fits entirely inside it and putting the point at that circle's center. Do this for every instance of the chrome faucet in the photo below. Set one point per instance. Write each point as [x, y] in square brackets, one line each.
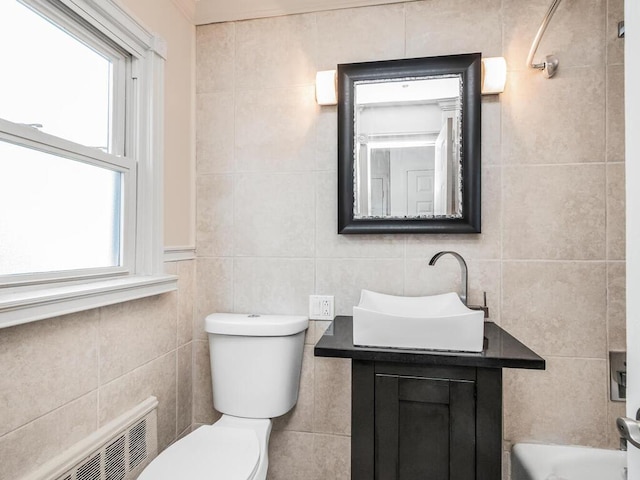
[463, 267]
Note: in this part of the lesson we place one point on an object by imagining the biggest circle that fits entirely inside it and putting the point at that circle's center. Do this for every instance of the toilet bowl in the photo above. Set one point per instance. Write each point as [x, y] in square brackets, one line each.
[231, 449]
[256, 362]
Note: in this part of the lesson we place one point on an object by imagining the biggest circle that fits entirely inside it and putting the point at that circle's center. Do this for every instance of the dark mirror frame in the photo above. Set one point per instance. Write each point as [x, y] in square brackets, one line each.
[470, 69]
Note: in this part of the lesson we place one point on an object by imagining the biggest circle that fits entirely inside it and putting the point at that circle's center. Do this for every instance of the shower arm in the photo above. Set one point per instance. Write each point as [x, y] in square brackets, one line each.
[550, 65]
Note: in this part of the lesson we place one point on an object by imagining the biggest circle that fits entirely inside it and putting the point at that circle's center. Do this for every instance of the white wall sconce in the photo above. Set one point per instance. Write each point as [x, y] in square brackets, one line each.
[326, 87]
[494, 75]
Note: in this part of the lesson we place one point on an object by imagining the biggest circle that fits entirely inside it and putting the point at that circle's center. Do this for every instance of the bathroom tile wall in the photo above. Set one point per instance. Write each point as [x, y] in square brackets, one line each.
[63, 378]
[551, 255]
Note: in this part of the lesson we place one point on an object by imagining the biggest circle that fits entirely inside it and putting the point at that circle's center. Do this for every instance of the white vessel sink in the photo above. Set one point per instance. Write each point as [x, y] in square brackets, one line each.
[435, 322]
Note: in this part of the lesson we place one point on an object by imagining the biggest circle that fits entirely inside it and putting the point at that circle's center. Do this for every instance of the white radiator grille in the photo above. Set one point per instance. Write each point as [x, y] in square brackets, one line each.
[137, 445]
[118, 451]
[115, 464]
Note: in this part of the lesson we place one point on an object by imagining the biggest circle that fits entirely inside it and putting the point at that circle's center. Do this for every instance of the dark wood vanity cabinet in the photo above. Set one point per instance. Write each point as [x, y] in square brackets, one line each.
[426, 415]
[414, 422]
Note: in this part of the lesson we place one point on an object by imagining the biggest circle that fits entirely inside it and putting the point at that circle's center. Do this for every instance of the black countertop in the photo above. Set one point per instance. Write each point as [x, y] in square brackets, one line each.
[501, 350]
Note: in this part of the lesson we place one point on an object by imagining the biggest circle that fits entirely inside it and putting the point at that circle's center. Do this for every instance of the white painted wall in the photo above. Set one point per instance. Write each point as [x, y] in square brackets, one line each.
[172, 20]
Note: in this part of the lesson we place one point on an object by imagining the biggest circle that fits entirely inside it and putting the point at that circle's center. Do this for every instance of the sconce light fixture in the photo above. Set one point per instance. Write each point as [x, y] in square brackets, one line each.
[326, 87]
[494, 75]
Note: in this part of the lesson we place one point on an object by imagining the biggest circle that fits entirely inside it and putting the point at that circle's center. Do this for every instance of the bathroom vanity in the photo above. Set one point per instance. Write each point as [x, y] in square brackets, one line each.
[427, 414]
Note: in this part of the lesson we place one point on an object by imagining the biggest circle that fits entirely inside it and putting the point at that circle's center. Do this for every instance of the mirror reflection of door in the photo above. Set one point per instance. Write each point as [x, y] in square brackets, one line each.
[420, 195]
[407, 158]
[412, 177]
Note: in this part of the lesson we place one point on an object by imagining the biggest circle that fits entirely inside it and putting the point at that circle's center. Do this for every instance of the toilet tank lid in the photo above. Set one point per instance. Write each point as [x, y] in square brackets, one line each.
[253, 325]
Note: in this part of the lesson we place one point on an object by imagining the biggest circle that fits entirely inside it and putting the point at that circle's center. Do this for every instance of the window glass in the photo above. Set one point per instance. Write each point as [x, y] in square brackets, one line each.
[53, 81]
[57, 214]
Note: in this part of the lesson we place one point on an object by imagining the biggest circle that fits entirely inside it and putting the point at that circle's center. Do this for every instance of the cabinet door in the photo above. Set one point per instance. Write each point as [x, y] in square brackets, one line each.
[424, 429]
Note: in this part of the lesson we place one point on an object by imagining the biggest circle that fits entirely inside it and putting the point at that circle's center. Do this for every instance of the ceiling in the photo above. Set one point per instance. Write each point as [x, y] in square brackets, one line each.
[213, 11]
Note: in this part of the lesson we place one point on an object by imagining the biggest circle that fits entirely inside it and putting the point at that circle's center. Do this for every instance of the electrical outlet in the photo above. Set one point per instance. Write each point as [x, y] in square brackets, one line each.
[321, 307]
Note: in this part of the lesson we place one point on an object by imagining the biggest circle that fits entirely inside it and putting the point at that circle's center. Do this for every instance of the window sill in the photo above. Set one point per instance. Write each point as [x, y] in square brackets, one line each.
[28, 306]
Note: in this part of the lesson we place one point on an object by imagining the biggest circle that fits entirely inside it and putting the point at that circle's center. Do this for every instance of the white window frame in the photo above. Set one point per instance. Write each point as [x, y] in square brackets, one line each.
[142, 273]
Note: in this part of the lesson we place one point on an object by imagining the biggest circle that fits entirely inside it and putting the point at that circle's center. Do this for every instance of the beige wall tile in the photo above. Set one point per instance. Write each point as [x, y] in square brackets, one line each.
[332, 455]
[616, 306]
[554, 121]
[615, 45]
[541, 406]
[332, 411]
[203, 411]
[186, 297]
[274, 215]
[506, 465]
[300, 418]
[360, 35]
[485, 276]
[615, 113]
[290, 455]
[171, 268]
[491, 140]
[184, 388]
[37, 442]
[615, 410]
[273, 285]
[330, 244]
[215, 57]
[554, 212]
[326, 135]
[136, 332]
[157, 378]
[214, 215]
[557, 308]
[575, 33]
[275, 129]
[37, 362]
[310, 334]
[616, 224]
[477, 27]
[346, 277]
[215, 132]
[276, 52]
[214, 287]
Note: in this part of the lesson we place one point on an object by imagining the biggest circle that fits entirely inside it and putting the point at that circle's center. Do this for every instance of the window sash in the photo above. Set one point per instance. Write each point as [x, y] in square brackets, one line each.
[145, 145]
[64, 18]
[29, 137]
[118, 160]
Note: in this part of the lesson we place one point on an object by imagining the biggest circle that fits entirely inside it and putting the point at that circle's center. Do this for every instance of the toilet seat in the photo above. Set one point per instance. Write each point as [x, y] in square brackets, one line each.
[212, 452]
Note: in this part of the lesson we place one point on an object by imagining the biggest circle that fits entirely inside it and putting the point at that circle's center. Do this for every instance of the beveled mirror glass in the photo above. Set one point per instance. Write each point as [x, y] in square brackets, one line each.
[409, 146]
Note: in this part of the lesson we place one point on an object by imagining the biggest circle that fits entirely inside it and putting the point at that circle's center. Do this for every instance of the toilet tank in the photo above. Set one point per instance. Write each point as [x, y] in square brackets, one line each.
[256, 362]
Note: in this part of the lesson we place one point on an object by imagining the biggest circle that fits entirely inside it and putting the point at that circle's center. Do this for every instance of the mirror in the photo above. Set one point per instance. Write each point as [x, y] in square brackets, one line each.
[409, 146]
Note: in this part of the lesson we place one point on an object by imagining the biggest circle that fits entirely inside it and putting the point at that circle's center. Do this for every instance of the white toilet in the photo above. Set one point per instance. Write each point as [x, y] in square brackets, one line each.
[255, 366]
